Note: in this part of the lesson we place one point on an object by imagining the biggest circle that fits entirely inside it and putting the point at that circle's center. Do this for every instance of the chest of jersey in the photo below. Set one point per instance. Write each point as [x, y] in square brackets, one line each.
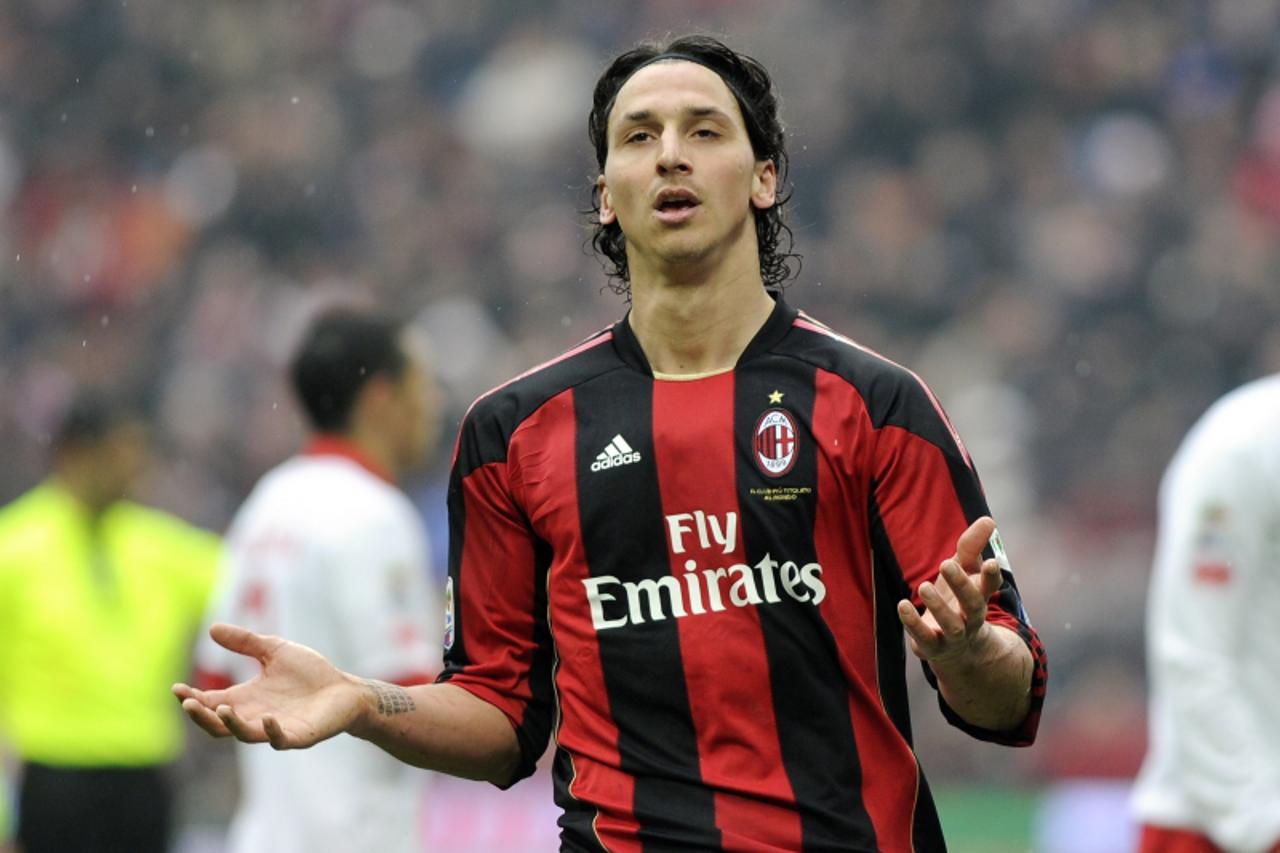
[667, 500]
[709, 583]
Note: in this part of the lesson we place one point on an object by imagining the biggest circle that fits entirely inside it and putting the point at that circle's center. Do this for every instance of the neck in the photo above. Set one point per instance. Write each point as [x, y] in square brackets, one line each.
[365, 446]
[83, 492]
[697, 328]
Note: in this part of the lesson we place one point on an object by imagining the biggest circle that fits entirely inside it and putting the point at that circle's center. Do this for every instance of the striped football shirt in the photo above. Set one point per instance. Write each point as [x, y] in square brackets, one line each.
[691, 585]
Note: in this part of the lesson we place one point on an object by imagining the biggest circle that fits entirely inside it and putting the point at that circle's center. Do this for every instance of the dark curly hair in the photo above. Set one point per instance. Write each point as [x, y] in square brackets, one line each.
[752, 88]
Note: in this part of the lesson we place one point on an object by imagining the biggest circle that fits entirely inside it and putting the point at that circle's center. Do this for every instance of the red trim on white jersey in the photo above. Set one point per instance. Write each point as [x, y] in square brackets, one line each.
[208, 679]
[333, 445]
[411, 679]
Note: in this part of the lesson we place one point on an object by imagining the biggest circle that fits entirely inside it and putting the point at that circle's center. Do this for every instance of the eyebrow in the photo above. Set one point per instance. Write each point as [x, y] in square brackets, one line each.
[694, 112]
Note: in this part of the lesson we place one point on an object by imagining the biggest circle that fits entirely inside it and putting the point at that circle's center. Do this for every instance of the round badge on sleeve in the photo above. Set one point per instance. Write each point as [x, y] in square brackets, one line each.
[776, 440]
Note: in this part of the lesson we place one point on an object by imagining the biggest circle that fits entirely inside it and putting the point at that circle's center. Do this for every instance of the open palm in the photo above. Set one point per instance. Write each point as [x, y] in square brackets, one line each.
[297, 700]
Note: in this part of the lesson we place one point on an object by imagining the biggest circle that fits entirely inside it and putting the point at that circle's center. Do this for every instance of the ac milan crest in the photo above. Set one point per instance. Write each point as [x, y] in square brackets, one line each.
[775, 442]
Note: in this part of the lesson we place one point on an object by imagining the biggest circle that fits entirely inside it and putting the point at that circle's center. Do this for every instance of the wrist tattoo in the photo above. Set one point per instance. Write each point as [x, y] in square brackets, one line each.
[392, 699]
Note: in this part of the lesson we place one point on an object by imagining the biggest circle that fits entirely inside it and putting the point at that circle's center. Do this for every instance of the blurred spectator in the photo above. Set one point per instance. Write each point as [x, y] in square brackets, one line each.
[328, 550]
[1211, 780]
[100, 598]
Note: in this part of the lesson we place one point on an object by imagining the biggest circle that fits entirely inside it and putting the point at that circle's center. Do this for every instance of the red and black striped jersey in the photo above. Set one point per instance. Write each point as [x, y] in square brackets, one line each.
[692, 586]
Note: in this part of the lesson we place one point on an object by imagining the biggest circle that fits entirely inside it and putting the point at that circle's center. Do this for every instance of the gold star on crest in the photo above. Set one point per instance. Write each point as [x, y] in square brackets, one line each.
[775, 398]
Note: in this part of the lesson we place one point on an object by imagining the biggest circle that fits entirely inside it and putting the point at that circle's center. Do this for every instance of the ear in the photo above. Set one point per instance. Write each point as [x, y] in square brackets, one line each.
[764, 185]
[608, 215]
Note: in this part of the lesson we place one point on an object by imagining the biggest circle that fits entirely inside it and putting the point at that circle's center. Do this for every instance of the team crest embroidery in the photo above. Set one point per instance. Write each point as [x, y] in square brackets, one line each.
[775, 442]
[448, 615]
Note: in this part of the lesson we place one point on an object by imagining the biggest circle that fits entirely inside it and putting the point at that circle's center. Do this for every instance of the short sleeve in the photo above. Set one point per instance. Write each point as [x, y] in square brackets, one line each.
[387, 609]
[215, 667]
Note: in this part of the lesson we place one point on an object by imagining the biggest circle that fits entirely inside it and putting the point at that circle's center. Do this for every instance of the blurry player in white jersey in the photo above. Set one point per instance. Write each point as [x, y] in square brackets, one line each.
[1211, 780]
[329, 551]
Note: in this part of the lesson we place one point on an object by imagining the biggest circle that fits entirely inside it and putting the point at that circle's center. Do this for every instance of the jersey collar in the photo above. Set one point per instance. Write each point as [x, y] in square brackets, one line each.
[775, 328]
[332, 445]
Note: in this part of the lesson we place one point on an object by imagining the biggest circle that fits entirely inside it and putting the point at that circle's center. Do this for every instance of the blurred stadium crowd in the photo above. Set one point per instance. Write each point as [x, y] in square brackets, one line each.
[1064, 214]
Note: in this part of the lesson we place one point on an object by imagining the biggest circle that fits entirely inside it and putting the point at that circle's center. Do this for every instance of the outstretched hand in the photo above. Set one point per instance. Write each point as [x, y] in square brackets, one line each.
[955, 604]
[297, 700]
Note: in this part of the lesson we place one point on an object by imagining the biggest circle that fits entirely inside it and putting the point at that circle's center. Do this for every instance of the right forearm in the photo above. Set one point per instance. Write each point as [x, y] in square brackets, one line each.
[438, 727]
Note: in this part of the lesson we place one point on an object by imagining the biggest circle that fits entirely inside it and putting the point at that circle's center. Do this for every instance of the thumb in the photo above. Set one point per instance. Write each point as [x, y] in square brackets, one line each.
[971, 543]
[242, 640]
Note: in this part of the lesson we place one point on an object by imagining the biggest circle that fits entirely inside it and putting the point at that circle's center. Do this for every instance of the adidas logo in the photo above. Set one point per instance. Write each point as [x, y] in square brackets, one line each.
[616, 452]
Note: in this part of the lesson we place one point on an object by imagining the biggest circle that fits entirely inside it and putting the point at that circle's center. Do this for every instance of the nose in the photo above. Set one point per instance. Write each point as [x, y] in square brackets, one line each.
[671, 155]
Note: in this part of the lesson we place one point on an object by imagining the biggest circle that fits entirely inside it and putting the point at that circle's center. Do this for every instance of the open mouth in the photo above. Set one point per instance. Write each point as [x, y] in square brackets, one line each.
[675, 199]
[675, 205]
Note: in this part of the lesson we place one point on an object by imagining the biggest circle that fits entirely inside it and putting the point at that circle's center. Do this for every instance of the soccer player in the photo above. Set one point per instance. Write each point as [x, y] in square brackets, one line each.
[329, 551]
[689, 547]
[100, 599]
[1211, 779]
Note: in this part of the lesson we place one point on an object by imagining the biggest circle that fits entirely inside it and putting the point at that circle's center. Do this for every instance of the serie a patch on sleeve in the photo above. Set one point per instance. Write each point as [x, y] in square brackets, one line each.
[448, 615]
[1211, 559]
[997, 548]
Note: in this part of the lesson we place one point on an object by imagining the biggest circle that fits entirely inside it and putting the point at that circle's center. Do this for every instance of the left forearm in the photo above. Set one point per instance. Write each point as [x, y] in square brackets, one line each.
[989, 685]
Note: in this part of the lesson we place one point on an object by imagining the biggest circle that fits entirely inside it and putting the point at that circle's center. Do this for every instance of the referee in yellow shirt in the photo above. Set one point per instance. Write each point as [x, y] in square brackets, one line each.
[99, 601]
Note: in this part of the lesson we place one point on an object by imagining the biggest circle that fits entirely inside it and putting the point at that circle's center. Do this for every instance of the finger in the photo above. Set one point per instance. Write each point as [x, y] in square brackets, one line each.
[242, 640]
[971, 543]
[924, 639]
[951, 622]
[991, 579]
[209, 698]
[967, 590]
[242, 729]
[275, 733]
[204, 718]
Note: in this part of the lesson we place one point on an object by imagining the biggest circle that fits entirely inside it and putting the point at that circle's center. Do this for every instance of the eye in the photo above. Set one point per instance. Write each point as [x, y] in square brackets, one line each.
[706, 133]
[637, 136]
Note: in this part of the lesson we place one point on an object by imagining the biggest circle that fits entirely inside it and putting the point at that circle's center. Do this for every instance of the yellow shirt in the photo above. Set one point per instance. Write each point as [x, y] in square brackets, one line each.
[95, 625]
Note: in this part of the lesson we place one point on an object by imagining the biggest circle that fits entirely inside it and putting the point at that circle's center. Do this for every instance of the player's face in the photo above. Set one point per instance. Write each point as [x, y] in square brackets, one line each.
[417, 400]
[114, 463]
[680, 176]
